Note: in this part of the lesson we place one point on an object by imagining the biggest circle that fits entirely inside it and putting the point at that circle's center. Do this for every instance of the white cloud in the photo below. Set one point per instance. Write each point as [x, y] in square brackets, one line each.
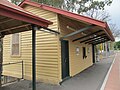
[114, 12]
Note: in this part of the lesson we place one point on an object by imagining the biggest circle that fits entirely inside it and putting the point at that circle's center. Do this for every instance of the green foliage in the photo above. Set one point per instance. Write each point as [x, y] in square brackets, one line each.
[55, 3]
[117, 45]
[16, 1]
[78, 6]
[86, 5]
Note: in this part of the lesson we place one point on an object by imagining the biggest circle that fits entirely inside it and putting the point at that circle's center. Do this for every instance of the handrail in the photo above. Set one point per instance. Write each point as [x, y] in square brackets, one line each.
[16, 63]
[12, 63]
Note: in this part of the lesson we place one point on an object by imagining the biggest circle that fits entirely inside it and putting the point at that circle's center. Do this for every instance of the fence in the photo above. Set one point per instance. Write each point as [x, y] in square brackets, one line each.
[11, 67]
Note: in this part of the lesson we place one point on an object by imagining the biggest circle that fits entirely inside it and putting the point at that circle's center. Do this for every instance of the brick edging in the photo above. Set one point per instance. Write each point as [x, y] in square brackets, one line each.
[106, 77]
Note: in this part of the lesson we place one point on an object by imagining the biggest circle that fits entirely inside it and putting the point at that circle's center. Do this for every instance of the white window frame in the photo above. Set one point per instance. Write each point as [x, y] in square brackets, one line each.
[19, 46]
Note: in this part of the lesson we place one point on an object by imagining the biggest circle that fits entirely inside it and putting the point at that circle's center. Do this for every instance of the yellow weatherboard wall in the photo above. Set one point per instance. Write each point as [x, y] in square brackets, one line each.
[76, 62]
[48, 48]
[47, 52]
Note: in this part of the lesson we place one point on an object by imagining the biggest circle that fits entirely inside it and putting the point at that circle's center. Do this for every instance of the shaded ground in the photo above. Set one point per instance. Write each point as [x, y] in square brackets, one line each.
[90, 79]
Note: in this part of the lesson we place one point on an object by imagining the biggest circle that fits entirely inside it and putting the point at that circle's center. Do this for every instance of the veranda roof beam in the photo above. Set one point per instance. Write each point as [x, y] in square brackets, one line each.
[100, 42]
[5, 21]
[103, 39]
[78, 31]
[92, 38]
[87, 35]
[15, 27]
[96, 39]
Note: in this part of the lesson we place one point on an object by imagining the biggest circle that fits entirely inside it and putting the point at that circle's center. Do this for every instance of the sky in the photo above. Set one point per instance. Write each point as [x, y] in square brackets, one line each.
[114, 11]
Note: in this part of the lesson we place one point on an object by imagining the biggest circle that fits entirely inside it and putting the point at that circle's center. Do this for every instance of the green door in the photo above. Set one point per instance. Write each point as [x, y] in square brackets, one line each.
[65, 58]
[93, 53]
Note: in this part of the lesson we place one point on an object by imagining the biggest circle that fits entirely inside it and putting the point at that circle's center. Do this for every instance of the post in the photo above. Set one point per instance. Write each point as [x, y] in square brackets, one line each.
[22, 70]
[33, 58]
[93, 52]
[1, 58]
[106, 50]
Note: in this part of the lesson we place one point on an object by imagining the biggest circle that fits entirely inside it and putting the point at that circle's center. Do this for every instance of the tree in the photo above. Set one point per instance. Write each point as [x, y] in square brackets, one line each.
[55, 3]
[117, 45]
[115, 30]
[78, 6]
[98, 14]
[16, 1]
[81, 6]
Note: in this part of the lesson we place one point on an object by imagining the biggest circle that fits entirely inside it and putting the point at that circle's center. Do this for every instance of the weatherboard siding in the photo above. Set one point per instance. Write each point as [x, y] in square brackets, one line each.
[48, 48]
[47, 58]
[76, 62]
[44, 14]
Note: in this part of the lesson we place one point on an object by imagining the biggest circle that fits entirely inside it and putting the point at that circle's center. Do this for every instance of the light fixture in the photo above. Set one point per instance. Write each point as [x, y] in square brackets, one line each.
[95, 35]
[68, 27]
[83, 33]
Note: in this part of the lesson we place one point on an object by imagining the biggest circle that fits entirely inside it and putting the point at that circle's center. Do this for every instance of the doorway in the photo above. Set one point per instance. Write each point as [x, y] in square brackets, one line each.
[65, 58]
[93, 53]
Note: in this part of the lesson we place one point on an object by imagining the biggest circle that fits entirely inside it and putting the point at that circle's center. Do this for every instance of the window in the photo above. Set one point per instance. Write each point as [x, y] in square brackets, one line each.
[84, 53]
[88, 50]
[77, 50]
[15, 45]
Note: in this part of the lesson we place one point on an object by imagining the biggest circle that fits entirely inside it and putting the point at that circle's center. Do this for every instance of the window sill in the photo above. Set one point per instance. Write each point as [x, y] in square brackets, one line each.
[16, 56]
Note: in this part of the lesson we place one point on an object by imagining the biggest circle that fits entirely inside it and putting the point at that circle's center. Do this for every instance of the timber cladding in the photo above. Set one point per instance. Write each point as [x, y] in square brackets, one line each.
[48, 51]
[76, 61]
[46, 48]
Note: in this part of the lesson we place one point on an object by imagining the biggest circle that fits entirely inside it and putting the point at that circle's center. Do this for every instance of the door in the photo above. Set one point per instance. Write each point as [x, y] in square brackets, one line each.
[93, 53]
[84, 53]
[65, 58]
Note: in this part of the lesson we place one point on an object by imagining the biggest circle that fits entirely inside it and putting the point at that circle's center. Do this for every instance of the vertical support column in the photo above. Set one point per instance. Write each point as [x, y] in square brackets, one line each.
[22, 70]
[106, 50]
[33, 58]
[103, 47]
[93, 52]
[1, 58]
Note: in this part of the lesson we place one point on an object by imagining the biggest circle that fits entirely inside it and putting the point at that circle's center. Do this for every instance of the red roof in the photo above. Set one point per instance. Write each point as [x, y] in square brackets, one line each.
[13, 11]
[71, 15]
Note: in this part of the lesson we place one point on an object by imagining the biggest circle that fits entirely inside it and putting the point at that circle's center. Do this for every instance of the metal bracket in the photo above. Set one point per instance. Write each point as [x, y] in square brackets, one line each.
[87, 35]
[78, 31]
[50, 30]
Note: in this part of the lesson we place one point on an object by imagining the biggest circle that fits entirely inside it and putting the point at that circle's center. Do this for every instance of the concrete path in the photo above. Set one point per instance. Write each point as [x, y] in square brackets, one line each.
[90, 79]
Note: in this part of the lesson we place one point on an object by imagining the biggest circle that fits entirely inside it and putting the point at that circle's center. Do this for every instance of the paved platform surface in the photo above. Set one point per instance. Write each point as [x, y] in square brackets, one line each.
[113, 81]
[90, 79]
